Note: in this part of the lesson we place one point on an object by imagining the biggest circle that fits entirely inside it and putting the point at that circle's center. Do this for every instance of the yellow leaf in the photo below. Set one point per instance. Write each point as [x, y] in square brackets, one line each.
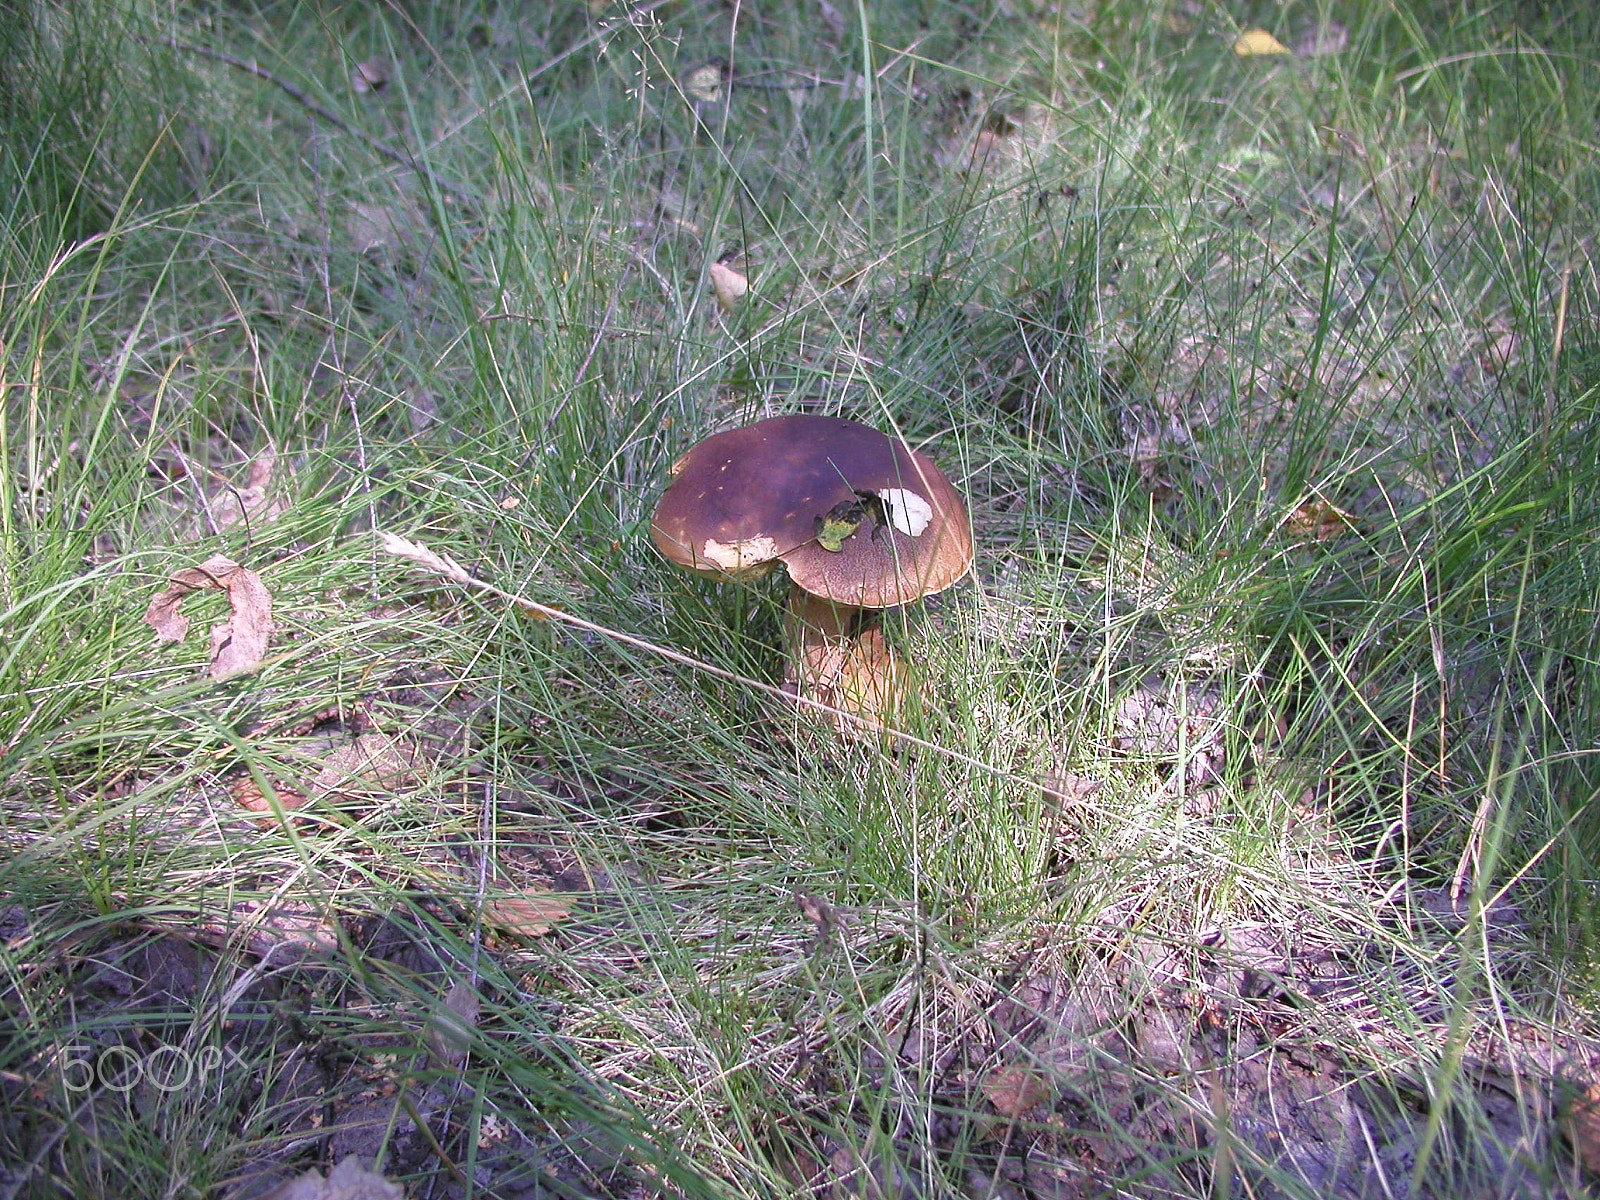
[1257, 41]
[839, 522]
[729, 285]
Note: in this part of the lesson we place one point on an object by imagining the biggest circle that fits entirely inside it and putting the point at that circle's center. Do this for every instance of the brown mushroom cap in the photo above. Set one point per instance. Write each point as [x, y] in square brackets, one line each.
[744, 498]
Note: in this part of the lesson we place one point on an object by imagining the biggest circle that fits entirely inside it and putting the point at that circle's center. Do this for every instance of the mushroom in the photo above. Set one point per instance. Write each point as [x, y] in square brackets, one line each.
[861, 521]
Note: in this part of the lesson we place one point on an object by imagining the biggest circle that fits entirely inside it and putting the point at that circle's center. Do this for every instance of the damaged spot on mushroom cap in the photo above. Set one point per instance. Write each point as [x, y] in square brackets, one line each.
[740, 557]
[907, 511]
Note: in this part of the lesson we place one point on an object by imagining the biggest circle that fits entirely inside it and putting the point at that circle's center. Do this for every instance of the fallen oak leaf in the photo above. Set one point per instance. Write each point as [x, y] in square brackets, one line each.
[237, 644]
[162, 614]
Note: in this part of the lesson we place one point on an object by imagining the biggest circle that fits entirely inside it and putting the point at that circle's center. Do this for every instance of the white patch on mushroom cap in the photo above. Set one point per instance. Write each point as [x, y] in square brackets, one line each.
[740, 556]
[907, 511]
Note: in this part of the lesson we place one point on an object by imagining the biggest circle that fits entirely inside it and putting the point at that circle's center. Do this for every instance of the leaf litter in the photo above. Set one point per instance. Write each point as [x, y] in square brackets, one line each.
[1130, 1064]
[355, 756]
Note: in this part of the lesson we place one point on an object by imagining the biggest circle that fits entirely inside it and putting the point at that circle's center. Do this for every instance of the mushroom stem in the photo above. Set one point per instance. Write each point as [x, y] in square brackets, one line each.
[834, 659]
[817, 631]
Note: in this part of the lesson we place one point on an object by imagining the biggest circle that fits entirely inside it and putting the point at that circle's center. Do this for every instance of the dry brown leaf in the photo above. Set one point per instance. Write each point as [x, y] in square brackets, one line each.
[1257, 41]
[1014, 1089]
[352, 1179]
[1319, 521]
[1583, 1126]
[371, 74]
[371, 225]
[253, 505]
[531, 914]
[374, 762]
[729, 285]
[449, 1032]
[247, 794]
[237, 644]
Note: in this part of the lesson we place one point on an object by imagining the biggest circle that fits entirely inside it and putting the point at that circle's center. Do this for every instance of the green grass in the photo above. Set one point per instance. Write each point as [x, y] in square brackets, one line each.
[1183, 767]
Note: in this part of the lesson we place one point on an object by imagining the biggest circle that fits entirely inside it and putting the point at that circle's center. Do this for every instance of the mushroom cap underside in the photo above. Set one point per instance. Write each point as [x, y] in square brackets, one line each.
[892, 527]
